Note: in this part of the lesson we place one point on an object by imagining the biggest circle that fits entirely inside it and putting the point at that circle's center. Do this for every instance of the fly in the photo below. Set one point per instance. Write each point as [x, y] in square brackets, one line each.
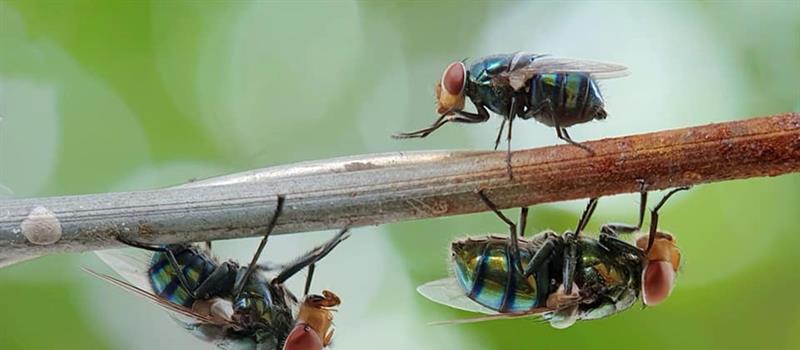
[563, 278]
[558, 92]
[224, 303]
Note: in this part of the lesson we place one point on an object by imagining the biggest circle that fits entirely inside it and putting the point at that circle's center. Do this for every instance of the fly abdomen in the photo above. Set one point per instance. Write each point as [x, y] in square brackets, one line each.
[482, 269]
[195, 267]
[572, 98]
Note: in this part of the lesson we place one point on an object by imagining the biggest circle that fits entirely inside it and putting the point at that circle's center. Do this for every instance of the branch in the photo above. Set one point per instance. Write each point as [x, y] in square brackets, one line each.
[391, 187]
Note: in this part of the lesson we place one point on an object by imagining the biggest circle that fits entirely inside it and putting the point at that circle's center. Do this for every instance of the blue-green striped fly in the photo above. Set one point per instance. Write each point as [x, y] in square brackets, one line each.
[558, 92]
[230, 305]
[562, 278]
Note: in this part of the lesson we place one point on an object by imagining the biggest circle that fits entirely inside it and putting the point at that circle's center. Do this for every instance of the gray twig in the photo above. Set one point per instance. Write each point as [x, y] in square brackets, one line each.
[391, 187]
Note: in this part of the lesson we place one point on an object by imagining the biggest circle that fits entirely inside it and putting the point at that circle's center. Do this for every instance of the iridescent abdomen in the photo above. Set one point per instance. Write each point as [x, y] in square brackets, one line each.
[481, 268]
[573, 98]
[164, 281]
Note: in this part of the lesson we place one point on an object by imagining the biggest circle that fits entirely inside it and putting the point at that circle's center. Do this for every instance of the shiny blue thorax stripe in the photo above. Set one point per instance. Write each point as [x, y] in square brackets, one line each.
[481, 72]
[163, 278]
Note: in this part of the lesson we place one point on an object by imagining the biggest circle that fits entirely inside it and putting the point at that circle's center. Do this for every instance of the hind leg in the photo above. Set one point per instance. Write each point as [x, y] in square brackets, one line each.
[546, 108]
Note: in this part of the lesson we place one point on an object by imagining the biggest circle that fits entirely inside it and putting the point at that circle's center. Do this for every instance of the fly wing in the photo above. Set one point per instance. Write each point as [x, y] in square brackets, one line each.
[518, 76]
[169, 306]
[134, 265]
[505, 316]
[131, 264]
[448, 292]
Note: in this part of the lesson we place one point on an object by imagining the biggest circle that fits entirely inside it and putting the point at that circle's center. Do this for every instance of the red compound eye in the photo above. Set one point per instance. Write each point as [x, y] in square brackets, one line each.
[454, 77]
[303, 337]
[657, 280]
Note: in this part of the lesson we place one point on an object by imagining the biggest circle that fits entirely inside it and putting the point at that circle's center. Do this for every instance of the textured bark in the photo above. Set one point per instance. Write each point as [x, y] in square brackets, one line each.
[384, 188]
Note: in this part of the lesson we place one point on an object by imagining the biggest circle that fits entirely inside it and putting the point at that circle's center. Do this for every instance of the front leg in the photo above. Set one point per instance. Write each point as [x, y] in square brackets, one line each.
[443, 119]
[472, 118]
[455, 116]
[614, 244]
[615, 229]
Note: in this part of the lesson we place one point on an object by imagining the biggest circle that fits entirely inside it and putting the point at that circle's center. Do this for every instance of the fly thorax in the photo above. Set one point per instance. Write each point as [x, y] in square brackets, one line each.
[250, 310]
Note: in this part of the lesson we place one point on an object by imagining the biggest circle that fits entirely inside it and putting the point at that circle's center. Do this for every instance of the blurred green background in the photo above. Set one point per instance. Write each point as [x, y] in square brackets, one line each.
[113, 96]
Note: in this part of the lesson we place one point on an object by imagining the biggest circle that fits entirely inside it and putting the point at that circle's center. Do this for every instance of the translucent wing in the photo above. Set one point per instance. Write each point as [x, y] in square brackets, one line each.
[506, 316]
[131, 264]
[172, 307]
[448, 292]
[134, 264]
[524, 71]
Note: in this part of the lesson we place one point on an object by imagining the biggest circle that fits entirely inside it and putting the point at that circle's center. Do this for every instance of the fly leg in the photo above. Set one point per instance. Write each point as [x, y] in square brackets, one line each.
[311, 257]
[587, 214]
[458, 117]
[508, 149]
[240, 283]
[512, 113]
[539, 266]
[562, 134]
[423, 132]
[547, 107]
[615, 229]
[499, 134]
[472, 118]
[654, 216]
[571, 246]
[513, 244]
[308, 278]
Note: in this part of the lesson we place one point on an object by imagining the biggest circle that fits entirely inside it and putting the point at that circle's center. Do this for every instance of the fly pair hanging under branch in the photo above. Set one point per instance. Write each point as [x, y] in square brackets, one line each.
[558, 92]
